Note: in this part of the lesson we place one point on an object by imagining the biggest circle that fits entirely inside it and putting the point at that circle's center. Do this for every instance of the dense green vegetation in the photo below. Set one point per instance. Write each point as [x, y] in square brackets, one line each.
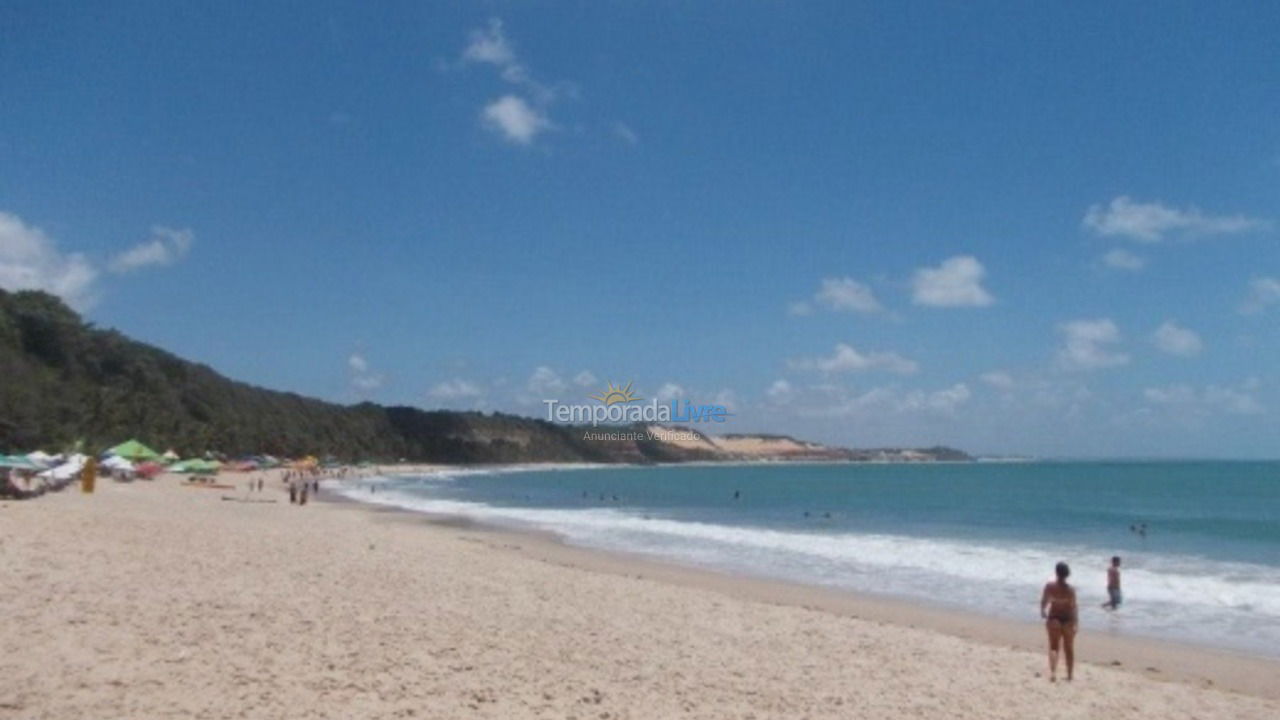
[66, 382]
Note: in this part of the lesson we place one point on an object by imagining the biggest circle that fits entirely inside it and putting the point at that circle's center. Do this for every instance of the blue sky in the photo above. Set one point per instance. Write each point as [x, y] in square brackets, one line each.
[1047, 230]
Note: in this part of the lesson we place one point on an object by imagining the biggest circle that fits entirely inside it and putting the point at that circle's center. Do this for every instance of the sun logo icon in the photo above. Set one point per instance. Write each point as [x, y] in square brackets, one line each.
[614, 395]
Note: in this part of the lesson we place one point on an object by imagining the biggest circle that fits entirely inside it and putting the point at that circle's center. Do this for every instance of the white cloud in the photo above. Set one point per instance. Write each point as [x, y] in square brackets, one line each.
[846, 295]
[367, 382]
[999, 380]
[957, 282]
[516, 120]
[1263, 293]
[847, 359]
[164, 247]
[1170, 395]
[779, 392]
[1121, 259]
[799, 308]
[518, 117]
[1087, 345]
[625, 133]
[944, 401]
[545, 384]
[1151, 222]
[456, 389]
[877, 402]
[669, 391]
[584, 379]
[1176, 340]
[1234, 401]
[728, 399]
[363, 379]
[489, 45]
[31, 260]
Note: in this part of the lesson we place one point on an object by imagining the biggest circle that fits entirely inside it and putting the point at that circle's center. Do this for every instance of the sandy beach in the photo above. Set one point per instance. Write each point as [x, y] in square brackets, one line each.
[154, 600]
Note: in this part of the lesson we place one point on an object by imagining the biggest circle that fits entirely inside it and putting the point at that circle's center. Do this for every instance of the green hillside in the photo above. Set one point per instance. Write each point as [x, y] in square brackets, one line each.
[67, 382]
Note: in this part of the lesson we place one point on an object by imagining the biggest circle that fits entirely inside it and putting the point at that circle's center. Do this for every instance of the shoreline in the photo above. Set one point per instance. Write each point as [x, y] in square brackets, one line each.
[1149, 657]
[154, 599]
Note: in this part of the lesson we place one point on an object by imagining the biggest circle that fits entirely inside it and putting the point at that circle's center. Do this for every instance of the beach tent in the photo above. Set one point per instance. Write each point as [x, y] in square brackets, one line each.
[134, 450]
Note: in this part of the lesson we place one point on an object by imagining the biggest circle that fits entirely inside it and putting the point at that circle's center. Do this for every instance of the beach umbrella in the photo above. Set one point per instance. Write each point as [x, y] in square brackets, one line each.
[18, 462]
[169, 456]
[134, 450]
[196, 465]
[185, 466]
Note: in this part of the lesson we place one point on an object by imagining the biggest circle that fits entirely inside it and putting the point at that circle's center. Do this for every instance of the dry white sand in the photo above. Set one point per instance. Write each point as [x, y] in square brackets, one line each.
[151, 600]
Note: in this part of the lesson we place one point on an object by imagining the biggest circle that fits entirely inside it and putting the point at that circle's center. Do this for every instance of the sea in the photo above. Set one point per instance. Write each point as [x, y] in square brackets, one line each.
[1199, 541]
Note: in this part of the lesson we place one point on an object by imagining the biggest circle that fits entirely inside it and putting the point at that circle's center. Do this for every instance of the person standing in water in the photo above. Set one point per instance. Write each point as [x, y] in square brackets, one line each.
[1059, 610]
[1113, 585]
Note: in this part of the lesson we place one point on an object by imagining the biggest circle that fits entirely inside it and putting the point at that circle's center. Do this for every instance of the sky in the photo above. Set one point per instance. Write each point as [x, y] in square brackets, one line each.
[1046, 229]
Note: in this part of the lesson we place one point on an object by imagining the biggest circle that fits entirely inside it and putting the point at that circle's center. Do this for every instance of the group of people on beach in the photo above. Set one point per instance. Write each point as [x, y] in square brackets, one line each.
[1062, 617]
[300, 485]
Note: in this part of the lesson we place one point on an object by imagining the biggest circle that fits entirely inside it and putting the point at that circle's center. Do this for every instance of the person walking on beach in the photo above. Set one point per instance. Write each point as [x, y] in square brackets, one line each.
[1113, 585]
[293, 492]
[1058, 608]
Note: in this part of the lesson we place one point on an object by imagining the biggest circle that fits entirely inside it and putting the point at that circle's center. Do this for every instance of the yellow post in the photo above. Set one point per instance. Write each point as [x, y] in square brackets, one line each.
[88, 475]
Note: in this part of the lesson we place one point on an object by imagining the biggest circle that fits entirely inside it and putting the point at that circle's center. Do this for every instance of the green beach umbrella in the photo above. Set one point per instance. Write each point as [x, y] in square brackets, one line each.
[134, 450]
[183, 466]
[18, 462]
[195, 465]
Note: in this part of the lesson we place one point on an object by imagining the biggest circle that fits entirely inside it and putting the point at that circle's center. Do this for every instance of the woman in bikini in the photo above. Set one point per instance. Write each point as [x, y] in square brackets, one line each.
[1058, 608]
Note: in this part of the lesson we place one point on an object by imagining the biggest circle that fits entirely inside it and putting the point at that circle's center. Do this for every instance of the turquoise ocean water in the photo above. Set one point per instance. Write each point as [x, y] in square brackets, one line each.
[981, 536]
